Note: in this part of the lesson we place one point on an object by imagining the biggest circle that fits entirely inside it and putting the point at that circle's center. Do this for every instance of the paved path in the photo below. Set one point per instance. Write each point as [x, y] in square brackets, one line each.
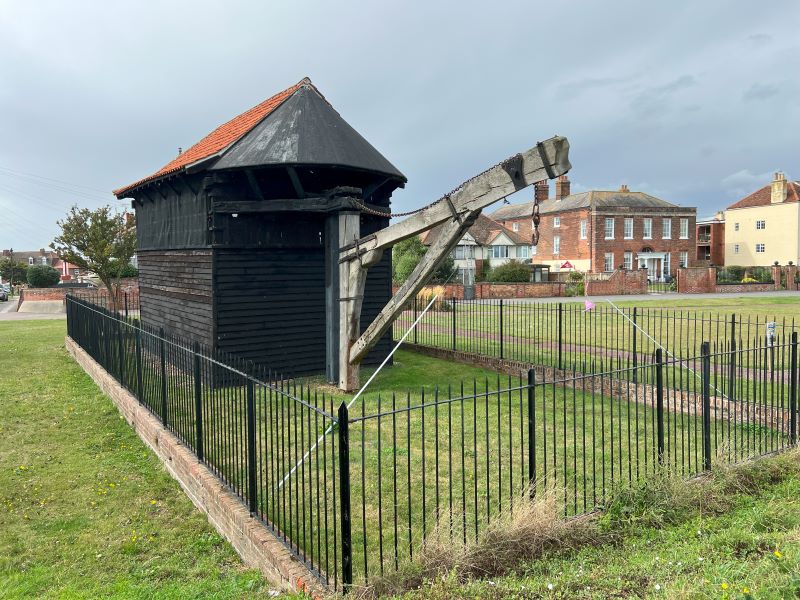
[663, 298]
[8, 312]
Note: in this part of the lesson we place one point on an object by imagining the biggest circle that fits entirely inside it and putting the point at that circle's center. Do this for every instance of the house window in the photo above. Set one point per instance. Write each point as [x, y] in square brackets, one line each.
[628, 229]
[761, 224]
[533, 250]
[627, 261]
[583, 229]
[608, 262]
[556, 221]
[499, 251]
[523, 251]
[666, 229]
[515, 226]
[667, 265]
[683, 260]
[736, 248]
[760, 248]
[44, 260]
[684, 229]
[647, 226]
[609, 229]
[459, 253]
[556, 244]
[30, 260]
[736, 227]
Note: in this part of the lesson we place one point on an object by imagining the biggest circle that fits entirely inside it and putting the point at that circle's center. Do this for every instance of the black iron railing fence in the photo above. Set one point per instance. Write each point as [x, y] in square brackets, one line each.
[563, 335]
[356, 491]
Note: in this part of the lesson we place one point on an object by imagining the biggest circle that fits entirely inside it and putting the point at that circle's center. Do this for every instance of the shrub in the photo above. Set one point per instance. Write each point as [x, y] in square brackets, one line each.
[42, 276]
[129, 271]
[511, 272]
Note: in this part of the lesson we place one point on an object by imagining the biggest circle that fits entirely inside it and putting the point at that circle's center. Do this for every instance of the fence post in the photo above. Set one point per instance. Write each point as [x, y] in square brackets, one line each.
[126, 305]
[705, 383]
[793, 389]
[163, 353]
[635, 357]
[251, 445]
[198, 403]
[454, 324]
[660, 403]
[560, 337]
[120, 354]
[532, 432]
[501, 328]
[415, 319]
[732, 362]
[344, 496]
[139, 375]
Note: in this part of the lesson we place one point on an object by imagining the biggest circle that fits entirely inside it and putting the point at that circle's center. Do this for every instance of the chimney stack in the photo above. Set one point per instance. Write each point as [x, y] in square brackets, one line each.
[541, 190]
[562, 187]
[780, 188]
[624, 188]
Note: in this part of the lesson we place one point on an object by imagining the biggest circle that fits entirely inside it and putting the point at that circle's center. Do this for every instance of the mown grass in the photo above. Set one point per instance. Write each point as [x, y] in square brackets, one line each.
[86, 510]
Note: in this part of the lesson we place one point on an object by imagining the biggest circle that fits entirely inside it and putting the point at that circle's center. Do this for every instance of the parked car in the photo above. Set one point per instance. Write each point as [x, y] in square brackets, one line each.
[3, 295]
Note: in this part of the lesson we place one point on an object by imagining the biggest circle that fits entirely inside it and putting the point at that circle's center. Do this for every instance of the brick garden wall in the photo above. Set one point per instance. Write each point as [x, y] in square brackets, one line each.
[620, 283]
[703, 280]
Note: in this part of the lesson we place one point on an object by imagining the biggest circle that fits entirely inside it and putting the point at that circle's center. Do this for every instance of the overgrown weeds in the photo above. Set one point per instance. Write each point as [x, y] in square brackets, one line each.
[537, 528]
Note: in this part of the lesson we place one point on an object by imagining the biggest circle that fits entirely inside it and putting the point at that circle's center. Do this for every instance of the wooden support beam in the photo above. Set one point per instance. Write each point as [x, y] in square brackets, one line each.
[251, 179]
[352, 278]
[448, 238]
[475, 194]
[298, 187]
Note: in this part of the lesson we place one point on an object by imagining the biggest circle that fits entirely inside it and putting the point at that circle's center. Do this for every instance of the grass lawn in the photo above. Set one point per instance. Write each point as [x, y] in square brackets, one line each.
[86, 510]
[750, 550]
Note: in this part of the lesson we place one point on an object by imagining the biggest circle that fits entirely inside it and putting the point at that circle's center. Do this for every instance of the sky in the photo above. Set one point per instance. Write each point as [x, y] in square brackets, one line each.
[697, 103]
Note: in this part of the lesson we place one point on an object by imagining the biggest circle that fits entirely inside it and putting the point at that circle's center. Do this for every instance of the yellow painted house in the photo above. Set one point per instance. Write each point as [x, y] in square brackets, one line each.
[764, 227]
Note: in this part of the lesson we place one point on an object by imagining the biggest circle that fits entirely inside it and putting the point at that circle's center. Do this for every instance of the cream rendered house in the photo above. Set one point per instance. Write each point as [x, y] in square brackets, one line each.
[764, 227]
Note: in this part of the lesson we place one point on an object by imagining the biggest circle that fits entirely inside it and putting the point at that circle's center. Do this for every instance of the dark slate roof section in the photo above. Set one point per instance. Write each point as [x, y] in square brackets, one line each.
[305, 130]
[595, 198]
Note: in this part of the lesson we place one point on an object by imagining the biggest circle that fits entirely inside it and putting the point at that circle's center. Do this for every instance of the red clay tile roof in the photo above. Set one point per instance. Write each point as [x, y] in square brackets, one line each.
[222, 137]
[763, 197]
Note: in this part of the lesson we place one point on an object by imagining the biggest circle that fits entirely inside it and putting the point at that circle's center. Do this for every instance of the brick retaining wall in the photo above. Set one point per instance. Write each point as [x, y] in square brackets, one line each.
[619, 283]
[257, 547]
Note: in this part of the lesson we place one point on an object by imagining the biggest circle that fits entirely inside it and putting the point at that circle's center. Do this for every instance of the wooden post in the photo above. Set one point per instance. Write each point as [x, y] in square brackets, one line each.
[352, 278]
[332, 298]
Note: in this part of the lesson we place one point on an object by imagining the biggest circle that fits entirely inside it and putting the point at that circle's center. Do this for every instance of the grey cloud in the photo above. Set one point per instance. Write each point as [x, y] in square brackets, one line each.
[760, 91]
[573, 89]
[655, 99]
[759, 39]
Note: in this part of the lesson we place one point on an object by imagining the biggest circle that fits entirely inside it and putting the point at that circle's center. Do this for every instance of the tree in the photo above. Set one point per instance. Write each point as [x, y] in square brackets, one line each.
[42, 276]
[406, 256]
[13, 271]
[511, 272]
[100, 241]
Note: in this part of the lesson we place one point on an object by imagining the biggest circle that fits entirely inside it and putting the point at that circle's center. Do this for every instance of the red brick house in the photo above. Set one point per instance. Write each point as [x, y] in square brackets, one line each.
[599, 231]
[711, 240]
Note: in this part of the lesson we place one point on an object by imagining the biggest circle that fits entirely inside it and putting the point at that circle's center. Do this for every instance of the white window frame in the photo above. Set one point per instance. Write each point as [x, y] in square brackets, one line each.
[608, 262]
[523, 251]
[583, 228]
[761, 248]
[609, 228]
[534, 250]
[683, 260]
[761, 224]
[627, 228]
[556, 244]
[736, 248]
[43, 260]
[556, 222]
[647, 225]
[459, 250]
[627, 260]
[666, 228]
[515, 226]
[684, 234]
[736, 227]
[30, 261]
[666, 264]
[499, 251]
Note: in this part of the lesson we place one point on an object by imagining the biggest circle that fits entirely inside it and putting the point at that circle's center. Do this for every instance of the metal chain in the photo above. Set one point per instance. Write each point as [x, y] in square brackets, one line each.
[459, 187]
[535, 217]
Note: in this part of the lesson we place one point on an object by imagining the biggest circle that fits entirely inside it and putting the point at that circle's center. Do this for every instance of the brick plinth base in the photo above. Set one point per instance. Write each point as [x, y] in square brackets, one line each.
[254, 543]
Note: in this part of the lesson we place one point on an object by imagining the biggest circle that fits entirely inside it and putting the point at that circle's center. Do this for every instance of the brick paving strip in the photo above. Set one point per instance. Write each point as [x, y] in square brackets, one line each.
[675, 401]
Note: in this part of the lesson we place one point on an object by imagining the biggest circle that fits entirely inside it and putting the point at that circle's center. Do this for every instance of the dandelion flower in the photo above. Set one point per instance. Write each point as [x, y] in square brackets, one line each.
[724, 586]
[778, 554]
[745, 590]
[153, 502]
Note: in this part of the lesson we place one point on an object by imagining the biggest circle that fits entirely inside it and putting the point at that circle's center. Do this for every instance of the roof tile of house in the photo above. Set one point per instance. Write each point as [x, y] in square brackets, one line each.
[222, 137]
[484, 231]
[763, 197]
[594, 198]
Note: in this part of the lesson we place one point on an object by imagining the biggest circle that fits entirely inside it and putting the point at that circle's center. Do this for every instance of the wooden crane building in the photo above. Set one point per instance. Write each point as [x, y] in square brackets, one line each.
[239, 235]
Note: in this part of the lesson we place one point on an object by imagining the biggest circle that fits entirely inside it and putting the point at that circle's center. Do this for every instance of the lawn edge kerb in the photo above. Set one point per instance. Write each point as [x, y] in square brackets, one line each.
[252, 541]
